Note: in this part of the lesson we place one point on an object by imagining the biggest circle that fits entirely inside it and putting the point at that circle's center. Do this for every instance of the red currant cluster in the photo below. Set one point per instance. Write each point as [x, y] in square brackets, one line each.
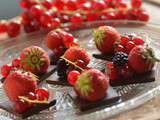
[128, 42]
[48, 14]
[26, 102]
[7, 68]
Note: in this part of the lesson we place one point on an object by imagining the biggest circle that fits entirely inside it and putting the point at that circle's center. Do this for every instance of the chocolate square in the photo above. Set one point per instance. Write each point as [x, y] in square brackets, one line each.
[137, 78]
[111, 98]
[103, 57]
[8, 106]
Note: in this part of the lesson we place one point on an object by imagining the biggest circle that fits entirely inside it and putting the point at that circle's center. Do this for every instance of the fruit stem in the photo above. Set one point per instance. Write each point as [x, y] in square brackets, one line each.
[33, 101]
[72, 63]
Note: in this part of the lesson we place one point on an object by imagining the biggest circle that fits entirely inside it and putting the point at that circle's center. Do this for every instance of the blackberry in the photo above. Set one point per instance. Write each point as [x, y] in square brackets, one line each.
[120, 59]
[62, 67]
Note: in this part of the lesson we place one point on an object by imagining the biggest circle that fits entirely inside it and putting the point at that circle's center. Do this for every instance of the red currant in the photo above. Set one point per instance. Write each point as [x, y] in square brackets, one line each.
[130, 45]
[112, 71]
[136, 3]
[143, 16]
[98, 5]
[3, 26]
[72, 77]
[32, 96]
[59, 4]
[26, 18]
[46, 20]
[13, 29]
[92, 16]
[124, 40]
[68, 40]
[76, 19]
[56, 22]
[47, 4]
[138, 41]
[42, 94]
[81, 64]
[71, 5]
[119, 48]
[16, 62]
[5, 70]
[36, 11]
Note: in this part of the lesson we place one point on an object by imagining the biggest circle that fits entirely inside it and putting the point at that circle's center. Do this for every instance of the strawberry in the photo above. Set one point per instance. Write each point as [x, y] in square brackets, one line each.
[91, 85]
[142, 59]
[34, 59]
[53, 40]
[19, 83]
[75, 54]
[105, 37]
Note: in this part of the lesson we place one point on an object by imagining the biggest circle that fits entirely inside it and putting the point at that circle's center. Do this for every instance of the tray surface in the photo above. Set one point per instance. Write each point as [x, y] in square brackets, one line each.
[132, 95]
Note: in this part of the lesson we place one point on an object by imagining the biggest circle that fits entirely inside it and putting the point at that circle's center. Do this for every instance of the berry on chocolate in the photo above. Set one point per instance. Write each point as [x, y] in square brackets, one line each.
[142, 59]
[91, 85]
[105, 37]
[19, 83]
[35, 60]
[5, 70]
[72, 77]
[120, 59]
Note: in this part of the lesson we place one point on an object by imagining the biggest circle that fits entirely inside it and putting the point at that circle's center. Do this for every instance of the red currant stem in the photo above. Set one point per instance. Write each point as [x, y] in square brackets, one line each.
[72, 63]
[33, 101]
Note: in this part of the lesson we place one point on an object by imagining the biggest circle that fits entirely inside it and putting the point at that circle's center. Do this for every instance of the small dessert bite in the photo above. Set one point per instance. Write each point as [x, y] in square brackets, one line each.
[105, 38]
[137, 67]
[58, 41]
[21, 88]
[91, 90]
[35, 60]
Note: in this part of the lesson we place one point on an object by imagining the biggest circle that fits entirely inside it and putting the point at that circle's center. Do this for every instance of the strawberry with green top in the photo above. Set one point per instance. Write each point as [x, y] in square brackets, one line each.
[35, 60]
[19, 83]
[91, 85]
[142, 59]
[104, 38]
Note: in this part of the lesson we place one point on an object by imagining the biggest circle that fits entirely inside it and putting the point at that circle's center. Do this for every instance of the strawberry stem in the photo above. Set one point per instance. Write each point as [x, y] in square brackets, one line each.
[72, 63]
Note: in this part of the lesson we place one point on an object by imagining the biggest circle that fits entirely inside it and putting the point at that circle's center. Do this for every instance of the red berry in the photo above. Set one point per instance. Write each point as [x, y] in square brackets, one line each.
[92, 16]
[21, 106]
[46, 20]
[71, 5]
[143, 16]
[124, 40]
[130, 45]
[5, 70]
[72, 77]
[26, 18]
[126, 72]
[16, 62]
[36, 11]
[136, 3]
[119, 48]
[32, 96]
[42, 94]
[68, 40]
[34, 25]
[47, 4]
[13, 29]
[98, 5]
[76, 19]
[138, 41]
[59, 4]
[112, 72]
[81, 64]
[56, 22]
[3, 26]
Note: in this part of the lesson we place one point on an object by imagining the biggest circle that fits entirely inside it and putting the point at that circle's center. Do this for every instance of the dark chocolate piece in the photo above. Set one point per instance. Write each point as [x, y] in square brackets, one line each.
[103, 57]
[111, 98]
[137, 78]
[54, 79]
[37, 109]
[8, 106]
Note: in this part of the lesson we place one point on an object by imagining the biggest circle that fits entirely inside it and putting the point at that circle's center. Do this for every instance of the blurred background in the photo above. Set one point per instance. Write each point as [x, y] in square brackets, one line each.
[9, 8]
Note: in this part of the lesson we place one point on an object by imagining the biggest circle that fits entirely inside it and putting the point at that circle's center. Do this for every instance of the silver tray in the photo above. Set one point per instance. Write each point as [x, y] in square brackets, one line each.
[132, 95]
